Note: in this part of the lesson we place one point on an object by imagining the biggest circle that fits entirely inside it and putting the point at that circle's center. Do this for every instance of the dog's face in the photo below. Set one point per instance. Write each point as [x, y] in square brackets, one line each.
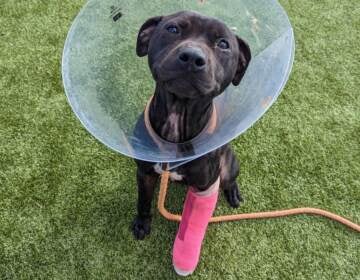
[192, 55]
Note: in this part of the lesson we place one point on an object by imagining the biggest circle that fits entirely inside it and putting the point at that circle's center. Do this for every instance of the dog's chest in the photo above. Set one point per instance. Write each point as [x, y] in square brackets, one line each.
[171, 127]
[174, 176]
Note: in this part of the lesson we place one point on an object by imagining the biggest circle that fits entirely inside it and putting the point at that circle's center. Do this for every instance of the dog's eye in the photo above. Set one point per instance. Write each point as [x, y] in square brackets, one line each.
[172, 29]
[223, 44]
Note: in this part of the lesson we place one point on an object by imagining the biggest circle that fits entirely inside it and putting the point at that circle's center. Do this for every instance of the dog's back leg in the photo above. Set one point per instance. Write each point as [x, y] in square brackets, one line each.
[229, 170]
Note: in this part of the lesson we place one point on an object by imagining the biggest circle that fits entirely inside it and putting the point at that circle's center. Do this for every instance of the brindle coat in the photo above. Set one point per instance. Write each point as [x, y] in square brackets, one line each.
[193, 59]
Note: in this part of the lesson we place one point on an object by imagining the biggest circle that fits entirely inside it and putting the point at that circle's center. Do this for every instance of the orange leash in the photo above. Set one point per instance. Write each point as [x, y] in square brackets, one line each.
[259, 215]
[245, 216]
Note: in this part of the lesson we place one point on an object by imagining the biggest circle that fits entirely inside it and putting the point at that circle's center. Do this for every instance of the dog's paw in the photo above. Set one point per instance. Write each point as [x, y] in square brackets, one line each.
[233, 196]
[141, 227]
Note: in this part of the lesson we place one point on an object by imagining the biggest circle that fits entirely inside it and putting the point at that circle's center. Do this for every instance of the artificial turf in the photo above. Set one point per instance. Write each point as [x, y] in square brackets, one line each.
[66, 201]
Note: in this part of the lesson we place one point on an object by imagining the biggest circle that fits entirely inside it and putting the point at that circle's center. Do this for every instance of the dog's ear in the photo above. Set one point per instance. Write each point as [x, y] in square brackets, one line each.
[144, 35]
[243, 62]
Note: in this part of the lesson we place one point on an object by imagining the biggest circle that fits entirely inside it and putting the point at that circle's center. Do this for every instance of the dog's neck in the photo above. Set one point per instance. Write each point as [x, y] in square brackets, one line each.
[177, 119]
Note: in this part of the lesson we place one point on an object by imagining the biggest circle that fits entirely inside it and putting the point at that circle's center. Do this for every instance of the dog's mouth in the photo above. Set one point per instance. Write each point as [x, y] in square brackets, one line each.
[186, 88]
[184, 84]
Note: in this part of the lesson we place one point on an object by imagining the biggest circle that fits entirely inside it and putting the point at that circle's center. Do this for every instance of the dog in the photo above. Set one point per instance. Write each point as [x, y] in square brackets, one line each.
[192, 58]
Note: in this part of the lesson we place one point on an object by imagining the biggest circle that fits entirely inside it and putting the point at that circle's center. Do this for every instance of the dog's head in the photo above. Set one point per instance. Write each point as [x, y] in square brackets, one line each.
[192, 55]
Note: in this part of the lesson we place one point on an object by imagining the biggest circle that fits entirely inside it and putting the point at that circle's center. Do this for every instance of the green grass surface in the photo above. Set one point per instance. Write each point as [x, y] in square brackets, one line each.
[66, 201]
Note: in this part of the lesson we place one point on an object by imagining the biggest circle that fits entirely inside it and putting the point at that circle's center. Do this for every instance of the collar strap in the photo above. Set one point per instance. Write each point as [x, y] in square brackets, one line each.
[209, 128]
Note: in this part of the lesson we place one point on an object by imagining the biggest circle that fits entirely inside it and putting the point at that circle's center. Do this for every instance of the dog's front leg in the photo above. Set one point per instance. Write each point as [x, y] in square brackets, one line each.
[146, 180]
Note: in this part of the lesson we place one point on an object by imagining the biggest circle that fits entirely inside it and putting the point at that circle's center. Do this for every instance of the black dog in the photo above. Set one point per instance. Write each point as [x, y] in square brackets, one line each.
[193, 59]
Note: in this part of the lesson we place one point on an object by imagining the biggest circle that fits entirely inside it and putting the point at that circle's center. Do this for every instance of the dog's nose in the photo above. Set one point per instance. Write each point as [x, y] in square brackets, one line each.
[194, 58]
